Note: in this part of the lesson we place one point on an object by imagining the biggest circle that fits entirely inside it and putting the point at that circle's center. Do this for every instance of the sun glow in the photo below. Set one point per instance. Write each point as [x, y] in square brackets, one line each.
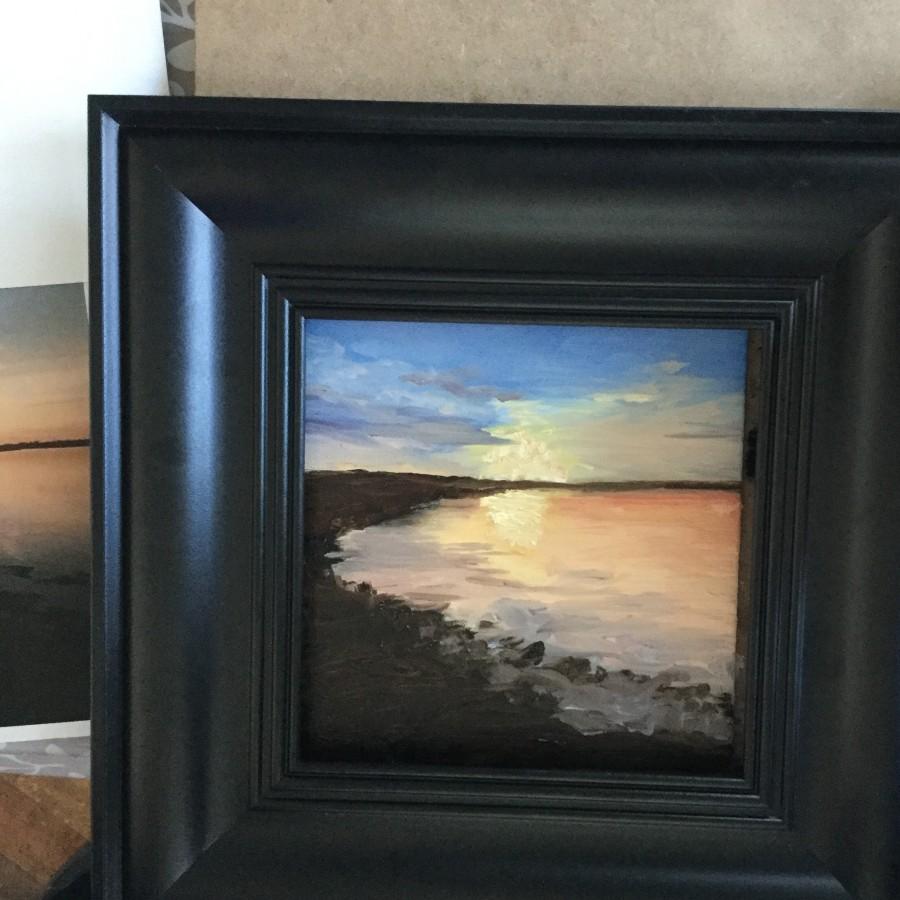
[529, 451]
[523, 458]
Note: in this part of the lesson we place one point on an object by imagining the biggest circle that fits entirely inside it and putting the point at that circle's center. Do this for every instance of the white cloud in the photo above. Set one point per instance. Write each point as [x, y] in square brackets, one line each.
[623, 397]
[634, 433]
[670, 366]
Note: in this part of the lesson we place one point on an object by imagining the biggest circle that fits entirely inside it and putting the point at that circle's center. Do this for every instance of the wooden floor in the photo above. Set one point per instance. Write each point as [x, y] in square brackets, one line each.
[43, 822]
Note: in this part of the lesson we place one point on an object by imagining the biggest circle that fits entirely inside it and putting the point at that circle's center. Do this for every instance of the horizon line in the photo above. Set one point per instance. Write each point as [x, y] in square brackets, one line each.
[645, 481]
[59, 444]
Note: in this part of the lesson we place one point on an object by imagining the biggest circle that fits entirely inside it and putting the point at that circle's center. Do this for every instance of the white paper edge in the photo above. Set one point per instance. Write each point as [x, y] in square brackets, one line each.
[47, 74]
[49, 732]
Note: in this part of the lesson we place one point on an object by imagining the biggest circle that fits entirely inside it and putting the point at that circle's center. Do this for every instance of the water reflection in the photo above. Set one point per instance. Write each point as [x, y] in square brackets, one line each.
[44, 585]
[639, 580]
[45, 508]
[517, 516]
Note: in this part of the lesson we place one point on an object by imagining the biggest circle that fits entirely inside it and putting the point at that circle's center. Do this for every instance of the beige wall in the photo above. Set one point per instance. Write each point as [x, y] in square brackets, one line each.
[840, 53]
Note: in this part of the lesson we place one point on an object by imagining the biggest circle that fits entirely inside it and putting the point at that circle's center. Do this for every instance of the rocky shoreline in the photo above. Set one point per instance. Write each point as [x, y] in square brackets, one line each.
[389, 683]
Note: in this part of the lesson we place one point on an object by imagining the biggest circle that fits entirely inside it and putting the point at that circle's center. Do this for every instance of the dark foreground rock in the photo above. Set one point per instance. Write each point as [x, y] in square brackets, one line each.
[389, 684]
[576, 668]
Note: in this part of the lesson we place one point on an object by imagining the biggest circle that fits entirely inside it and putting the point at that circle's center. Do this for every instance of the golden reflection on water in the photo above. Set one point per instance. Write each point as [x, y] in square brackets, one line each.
[517, 516]
[45, 504]
[632, 579]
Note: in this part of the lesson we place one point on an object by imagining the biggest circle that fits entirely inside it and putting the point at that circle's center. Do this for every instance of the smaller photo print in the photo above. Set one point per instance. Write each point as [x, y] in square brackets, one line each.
[44, 506]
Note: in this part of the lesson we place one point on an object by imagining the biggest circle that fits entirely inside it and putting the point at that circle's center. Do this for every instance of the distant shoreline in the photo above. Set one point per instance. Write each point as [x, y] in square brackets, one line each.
[339, 501]
[526, 483]
[45, 445]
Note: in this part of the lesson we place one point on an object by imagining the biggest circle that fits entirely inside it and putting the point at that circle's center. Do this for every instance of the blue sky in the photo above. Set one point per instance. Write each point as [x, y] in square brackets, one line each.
[562, 403]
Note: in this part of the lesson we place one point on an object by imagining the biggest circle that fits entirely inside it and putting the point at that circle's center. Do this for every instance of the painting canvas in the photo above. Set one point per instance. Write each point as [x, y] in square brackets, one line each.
[44, 506]
[522, 544]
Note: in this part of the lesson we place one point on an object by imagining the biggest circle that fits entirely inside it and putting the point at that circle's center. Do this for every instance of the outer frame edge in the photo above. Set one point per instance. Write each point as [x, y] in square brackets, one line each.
[107, 628]
[373, 116]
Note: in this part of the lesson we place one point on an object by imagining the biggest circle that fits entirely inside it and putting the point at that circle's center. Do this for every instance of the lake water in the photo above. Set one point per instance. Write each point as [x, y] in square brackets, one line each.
[45, 509]
[44, 585]
[642, 580]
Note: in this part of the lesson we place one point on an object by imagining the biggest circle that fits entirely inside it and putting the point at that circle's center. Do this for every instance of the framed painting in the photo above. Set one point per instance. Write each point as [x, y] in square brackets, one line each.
[494, 501]
[462, 481]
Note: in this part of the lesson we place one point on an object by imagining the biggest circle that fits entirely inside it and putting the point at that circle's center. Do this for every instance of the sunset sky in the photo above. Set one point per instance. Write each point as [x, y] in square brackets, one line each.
[556, 403]
[43, 364]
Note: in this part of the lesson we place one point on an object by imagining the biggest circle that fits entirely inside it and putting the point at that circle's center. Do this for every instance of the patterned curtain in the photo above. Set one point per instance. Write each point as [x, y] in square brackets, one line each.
[179, 25]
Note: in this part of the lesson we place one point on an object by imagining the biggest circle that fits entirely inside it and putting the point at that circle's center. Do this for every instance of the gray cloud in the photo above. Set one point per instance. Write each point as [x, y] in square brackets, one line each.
[705, 435]
[444, 431]
[452, 385]
[363, 422]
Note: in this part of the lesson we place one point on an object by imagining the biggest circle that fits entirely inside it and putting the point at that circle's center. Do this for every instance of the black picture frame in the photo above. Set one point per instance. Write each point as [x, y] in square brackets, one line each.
[216, 224]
